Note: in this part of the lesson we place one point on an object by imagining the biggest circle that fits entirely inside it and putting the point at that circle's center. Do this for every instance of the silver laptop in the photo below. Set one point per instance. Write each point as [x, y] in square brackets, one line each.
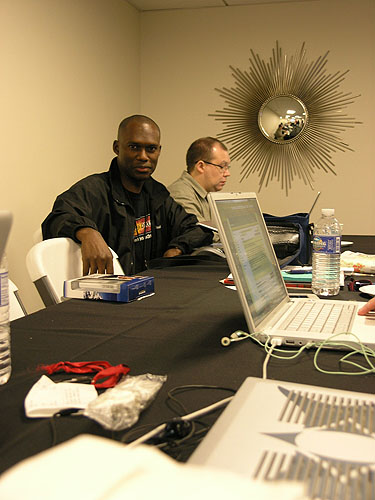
[274, 430]
[268, 309]
[5, 225]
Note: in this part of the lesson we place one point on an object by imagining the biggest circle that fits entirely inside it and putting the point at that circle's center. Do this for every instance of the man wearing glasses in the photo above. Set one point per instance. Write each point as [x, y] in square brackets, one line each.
[208, 165]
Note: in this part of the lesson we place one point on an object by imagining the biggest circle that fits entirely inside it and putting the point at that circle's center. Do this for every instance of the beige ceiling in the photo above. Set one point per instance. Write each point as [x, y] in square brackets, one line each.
[144, 5]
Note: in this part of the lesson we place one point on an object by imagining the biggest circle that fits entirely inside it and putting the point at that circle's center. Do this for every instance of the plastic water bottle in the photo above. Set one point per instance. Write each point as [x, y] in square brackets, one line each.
[5, 360]
[326, 255]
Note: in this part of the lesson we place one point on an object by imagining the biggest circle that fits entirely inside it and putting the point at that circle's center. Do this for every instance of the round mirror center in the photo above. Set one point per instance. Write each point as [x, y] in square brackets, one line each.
[282, 118]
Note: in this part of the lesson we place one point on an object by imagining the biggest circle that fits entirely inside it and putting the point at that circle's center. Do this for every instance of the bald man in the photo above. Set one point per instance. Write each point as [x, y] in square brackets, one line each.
[125, 208]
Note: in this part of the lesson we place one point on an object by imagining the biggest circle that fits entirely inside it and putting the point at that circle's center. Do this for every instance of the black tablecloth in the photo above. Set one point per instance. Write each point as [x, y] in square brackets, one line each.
[360, 243]
[176, 332]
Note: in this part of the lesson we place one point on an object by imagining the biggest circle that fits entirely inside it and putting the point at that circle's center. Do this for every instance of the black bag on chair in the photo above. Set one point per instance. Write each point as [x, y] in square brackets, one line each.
[291, 238]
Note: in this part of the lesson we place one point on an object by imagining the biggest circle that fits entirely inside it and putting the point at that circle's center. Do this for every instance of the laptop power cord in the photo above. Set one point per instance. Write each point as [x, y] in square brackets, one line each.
[352, 345]
[276, 341]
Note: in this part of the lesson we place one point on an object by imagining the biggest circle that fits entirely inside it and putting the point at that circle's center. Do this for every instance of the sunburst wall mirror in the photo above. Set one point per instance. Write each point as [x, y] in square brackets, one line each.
[283, 118]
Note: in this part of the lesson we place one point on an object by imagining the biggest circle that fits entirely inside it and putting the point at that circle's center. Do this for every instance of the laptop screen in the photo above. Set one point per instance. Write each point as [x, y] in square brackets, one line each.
[251, 255]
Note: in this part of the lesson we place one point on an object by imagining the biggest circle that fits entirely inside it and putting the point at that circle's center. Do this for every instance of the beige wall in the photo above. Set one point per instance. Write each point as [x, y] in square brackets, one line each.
[71, 69]
[186, 54]
[69, 73]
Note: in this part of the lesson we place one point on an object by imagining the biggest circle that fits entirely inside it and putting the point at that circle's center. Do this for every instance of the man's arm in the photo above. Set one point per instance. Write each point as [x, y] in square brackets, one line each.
[76, 214]
[189, 199]
[96, 256]
[72, 210]
[190, 204]
[185, 234]
[184, 194]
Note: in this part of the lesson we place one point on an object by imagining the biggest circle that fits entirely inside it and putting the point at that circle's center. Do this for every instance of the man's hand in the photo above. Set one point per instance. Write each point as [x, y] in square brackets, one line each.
[96, 256]
[172, 252]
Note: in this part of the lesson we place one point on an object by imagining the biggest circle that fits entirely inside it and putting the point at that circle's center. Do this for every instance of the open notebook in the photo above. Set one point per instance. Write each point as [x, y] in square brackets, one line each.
[280, 431]
[267, 307]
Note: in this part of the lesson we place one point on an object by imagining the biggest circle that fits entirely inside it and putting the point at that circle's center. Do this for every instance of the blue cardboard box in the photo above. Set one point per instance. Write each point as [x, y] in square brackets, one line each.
[110, 287]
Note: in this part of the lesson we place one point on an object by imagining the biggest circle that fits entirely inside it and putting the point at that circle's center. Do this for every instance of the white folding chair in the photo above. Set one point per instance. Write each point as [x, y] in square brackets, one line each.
[51, 262]
[16, 307]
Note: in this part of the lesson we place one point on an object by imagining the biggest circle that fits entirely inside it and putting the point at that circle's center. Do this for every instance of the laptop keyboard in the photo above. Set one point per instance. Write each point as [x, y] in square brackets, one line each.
[317, 317]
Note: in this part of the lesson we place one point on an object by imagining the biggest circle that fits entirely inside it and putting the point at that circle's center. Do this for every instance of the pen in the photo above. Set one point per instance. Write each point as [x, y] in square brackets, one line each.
[207, 226]
[80, 380]
[306, 270]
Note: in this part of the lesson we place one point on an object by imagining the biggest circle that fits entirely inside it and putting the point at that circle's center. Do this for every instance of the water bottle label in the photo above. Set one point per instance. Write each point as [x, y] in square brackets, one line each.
[327, 244]
[4, 291]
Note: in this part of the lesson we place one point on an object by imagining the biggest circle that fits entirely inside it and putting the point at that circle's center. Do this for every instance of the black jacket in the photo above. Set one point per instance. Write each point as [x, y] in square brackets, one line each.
[99, 201]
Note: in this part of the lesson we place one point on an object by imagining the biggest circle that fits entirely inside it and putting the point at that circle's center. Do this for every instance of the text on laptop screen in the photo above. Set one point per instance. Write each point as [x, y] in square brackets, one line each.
[251, 250]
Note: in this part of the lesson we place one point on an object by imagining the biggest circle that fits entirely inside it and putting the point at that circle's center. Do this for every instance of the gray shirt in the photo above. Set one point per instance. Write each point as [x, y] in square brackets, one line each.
[191, 195]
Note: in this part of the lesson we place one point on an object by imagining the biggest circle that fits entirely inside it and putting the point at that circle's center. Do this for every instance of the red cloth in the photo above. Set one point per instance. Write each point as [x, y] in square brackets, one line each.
[104, 370]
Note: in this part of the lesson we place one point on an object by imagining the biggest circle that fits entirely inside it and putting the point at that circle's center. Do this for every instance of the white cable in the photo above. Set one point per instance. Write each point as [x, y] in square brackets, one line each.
[190, 416]
[207, 409]
[266, 362]
[147, 436]
[276, 341]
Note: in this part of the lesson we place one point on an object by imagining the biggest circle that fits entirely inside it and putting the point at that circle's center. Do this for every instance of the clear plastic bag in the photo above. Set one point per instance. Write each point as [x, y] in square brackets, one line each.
[119, 408]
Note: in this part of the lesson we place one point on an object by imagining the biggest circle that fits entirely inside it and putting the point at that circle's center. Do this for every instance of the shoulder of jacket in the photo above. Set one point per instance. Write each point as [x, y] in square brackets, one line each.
[94, 184]
[156, 190]
[93, 179]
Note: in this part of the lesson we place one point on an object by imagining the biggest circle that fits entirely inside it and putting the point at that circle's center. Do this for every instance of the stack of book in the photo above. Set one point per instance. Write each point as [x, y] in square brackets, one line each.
[297, 277]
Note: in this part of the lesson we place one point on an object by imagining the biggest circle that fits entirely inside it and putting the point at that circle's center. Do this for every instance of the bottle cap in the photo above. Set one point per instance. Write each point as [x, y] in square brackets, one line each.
[328, 212]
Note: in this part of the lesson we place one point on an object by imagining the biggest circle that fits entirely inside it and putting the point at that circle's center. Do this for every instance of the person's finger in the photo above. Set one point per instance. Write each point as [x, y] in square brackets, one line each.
[93, 266]
[85, 266]
[369, 306]
[104, 264]
[110, 266]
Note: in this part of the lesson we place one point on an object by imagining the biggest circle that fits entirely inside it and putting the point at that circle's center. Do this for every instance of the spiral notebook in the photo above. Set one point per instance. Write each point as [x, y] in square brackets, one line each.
[268, 309]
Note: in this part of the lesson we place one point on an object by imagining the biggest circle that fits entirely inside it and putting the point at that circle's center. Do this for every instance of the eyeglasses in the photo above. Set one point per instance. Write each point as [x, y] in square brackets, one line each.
[223, 169]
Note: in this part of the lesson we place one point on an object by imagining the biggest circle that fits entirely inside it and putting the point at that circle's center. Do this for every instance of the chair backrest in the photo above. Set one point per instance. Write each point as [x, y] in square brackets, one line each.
[51, 262]
[16, 307]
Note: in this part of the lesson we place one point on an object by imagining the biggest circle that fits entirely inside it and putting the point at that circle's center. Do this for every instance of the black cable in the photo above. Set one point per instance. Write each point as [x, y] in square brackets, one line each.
[182, 450]
[184, 388]
[178, 437]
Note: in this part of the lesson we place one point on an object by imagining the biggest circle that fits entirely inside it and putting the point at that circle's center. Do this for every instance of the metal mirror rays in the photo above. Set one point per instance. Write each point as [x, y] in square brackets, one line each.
[284, 118]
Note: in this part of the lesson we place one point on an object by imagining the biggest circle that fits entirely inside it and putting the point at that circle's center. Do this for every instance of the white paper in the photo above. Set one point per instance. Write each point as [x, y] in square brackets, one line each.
[140, 473]
[46, 398]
